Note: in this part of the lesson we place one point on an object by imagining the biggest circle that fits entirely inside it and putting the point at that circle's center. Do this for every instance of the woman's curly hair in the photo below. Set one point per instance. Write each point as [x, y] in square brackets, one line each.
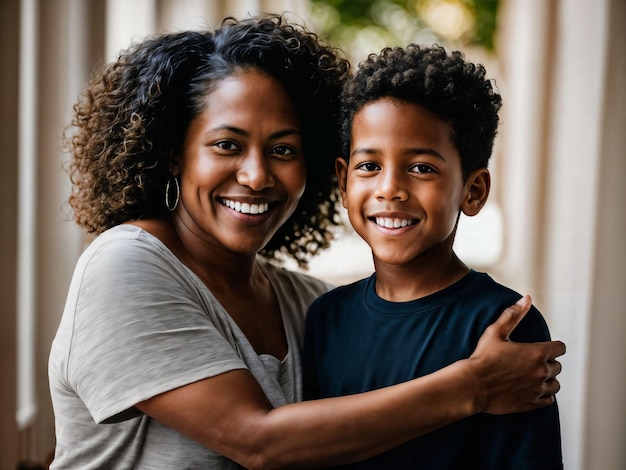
[133, 117]
[455, 90]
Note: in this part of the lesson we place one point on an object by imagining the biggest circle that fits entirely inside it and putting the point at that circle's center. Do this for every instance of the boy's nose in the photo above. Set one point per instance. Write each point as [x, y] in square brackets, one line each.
[391, 187]
[255, 172]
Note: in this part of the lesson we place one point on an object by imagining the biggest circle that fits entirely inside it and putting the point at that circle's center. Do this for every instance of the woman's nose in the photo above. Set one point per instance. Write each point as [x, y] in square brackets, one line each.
[255, 172]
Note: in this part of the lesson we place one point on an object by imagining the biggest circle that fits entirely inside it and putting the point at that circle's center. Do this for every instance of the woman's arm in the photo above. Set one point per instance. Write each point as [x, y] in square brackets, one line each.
[238, 421]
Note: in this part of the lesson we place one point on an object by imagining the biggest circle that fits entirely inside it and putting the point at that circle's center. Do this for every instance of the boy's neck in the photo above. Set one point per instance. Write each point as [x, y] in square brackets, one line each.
[411, 281]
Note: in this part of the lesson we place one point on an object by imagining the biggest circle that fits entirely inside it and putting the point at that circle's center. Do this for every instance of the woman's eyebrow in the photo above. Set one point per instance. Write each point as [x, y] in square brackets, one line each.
[242, 132]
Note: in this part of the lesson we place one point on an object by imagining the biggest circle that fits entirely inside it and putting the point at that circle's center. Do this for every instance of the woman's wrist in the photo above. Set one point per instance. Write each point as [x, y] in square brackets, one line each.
[473, 388]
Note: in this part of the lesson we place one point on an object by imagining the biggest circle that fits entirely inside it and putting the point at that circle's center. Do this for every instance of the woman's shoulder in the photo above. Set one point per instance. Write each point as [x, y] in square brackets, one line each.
[128, 252]
[123, 240]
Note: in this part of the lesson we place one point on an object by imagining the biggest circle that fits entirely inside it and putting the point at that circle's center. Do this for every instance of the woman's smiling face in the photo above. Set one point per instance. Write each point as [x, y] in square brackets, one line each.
[242, 169]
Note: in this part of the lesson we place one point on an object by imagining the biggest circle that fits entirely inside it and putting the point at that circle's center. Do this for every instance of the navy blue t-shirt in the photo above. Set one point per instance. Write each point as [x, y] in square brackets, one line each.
[355, 342]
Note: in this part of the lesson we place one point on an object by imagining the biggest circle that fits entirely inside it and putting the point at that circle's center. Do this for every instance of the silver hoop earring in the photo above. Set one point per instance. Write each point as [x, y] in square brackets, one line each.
[168, 189]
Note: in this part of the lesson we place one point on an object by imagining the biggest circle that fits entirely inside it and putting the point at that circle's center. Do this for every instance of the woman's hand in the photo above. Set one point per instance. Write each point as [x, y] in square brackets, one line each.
[515, 377]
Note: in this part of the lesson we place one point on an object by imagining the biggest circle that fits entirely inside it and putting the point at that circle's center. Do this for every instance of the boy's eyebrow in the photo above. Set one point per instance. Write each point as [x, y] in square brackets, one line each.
[365, 150]
[428, 151]
[413, 151]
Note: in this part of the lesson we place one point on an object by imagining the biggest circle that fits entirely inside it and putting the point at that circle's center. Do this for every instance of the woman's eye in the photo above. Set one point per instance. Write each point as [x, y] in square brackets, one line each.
[367, 166]
[284, 151]
[227, 145]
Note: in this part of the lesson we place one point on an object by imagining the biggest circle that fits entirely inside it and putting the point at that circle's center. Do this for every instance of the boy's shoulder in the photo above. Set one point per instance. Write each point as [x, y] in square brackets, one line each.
[495, 297]
[481, 285]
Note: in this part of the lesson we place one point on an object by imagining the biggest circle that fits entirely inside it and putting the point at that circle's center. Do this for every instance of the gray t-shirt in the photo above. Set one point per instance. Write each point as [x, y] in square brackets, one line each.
[137, 323]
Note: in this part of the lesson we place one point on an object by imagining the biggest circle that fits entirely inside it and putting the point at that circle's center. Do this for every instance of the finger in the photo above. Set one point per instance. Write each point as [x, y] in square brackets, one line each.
[542, 402]
[511, 316]
[555, 349]
[554, 369]
[550, 387]
[550, 349]
[549, 390]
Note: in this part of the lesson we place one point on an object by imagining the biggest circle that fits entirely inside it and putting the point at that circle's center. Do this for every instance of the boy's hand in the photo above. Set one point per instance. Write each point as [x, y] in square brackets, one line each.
[515, 377]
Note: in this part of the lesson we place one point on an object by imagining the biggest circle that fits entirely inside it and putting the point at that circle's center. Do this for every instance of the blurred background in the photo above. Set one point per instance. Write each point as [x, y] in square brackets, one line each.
[555, 226]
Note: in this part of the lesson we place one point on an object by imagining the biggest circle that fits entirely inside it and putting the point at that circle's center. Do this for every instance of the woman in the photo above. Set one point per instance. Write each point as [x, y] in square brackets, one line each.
[179, 347]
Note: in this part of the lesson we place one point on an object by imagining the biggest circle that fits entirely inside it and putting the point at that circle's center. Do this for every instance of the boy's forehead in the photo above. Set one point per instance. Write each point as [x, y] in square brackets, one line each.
[391, 116]
[402, 129]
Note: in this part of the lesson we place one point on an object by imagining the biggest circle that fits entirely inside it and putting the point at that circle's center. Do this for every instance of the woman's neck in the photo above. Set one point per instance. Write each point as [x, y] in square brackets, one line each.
[236, 281]
[220, 270]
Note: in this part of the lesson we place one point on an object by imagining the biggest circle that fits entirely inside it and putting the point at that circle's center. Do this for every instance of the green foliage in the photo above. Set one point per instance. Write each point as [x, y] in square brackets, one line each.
[351, 23]
[486, 12]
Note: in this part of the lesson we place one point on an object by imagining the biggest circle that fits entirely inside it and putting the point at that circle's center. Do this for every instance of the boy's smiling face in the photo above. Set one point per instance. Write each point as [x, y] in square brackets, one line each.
[403, 186]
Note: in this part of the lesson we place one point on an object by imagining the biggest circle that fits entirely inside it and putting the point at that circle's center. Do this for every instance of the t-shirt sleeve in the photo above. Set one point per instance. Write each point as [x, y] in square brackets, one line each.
[141, 328]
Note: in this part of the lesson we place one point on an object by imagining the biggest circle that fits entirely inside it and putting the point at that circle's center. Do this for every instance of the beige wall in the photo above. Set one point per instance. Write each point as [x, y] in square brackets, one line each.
[561, 185]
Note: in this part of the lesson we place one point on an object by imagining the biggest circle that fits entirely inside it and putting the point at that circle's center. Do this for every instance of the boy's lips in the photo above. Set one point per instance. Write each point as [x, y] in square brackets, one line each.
[393, 222]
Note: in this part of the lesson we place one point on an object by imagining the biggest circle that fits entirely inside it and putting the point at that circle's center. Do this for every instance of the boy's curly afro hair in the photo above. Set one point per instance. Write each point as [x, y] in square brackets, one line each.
[133, 117]
[443, 83]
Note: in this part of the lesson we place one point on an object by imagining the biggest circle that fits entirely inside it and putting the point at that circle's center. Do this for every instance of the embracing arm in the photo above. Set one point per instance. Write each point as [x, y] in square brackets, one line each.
[238, 421]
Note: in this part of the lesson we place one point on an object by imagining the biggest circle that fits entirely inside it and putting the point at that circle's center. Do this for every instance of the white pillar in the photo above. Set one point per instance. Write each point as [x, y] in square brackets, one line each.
[564, 142]
[177, 15]
[26, 216]
[9, 85]
[605, 404]
[572, 170]
[128, 22]
[63, 67]
[522, 37]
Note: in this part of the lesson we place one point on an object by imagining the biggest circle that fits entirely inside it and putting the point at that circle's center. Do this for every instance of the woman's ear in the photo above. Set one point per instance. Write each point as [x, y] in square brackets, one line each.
[476, 191]
[341, 168]
[173, 163]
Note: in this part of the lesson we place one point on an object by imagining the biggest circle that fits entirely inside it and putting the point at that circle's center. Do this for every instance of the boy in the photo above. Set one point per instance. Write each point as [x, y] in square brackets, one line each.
[418, 130]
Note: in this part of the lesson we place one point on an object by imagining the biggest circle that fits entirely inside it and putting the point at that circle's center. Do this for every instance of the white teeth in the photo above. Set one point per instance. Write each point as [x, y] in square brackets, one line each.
[246, 208]
[393, 223]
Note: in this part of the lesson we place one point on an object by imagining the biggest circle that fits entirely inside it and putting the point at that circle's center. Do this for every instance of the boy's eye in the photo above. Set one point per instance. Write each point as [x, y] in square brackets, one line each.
[422, 168]
[367, 166]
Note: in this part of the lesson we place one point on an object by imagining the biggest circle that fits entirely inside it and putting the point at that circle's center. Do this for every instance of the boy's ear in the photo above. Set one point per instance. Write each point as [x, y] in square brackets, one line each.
[476, 191]
[341, 168]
